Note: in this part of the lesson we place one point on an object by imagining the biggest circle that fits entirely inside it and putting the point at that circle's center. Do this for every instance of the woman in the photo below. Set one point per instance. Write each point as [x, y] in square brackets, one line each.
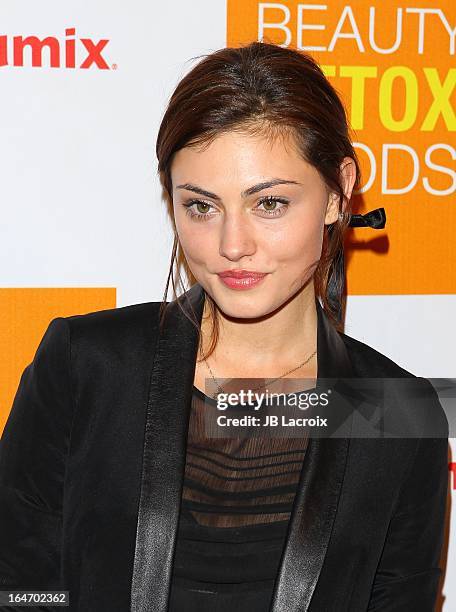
[110, 488]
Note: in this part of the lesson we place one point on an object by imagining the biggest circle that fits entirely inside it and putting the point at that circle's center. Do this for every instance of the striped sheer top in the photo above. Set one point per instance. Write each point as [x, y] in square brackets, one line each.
[236, 503]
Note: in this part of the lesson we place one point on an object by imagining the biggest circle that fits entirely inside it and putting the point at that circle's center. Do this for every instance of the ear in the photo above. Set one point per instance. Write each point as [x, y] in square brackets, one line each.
[332, 209]
[348, 177]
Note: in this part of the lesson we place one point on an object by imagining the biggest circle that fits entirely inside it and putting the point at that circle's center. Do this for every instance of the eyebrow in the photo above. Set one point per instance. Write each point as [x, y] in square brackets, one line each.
[244, 194]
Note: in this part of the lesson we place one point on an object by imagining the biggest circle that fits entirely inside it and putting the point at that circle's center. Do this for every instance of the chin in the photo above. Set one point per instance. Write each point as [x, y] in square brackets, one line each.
[244, 307]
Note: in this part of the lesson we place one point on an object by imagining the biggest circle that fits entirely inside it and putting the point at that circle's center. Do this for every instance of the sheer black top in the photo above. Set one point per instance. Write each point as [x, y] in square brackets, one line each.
[237, 499]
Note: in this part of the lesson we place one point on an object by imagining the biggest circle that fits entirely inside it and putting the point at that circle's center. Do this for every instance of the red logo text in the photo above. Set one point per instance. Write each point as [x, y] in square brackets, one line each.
[62, 54]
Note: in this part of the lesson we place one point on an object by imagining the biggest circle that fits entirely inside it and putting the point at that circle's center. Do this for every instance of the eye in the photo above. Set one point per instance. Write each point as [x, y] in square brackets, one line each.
[202, 214]
[273, 200]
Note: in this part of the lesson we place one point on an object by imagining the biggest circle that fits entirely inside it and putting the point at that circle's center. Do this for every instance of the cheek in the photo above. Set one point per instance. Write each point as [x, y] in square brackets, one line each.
[198, 246]
[296, 243]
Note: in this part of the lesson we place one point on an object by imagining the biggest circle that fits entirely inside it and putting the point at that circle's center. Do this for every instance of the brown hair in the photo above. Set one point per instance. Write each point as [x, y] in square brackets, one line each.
[263, 88]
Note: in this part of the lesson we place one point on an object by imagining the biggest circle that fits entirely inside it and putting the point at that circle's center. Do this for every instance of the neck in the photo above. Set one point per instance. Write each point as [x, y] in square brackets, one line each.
[274, 342]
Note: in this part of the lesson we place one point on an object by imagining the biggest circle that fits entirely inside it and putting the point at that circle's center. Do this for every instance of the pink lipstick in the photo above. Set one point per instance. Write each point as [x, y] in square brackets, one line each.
[241, 279]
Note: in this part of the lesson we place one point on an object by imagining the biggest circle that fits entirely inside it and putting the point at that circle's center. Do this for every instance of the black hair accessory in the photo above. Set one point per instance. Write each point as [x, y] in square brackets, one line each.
[374, 218]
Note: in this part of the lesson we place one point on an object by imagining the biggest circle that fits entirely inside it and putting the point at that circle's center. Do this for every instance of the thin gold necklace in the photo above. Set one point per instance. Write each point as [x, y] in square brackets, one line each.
[220, 390]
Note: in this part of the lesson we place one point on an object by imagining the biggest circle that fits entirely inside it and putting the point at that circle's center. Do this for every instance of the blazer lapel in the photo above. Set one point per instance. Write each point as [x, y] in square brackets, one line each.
[318, 491]
[165, 441]
[163, 468]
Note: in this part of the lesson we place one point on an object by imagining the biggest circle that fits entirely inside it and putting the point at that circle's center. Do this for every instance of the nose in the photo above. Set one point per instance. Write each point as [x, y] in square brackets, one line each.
[237, 239]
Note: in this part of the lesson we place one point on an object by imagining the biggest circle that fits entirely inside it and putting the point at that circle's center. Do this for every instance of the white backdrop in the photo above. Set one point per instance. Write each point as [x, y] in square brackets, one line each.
[80, 199]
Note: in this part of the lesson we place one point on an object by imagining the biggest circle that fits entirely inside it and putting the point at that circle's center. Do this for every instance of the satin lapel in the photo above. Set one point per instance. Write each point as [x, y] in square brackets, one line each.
[164, 451]
[318, 490]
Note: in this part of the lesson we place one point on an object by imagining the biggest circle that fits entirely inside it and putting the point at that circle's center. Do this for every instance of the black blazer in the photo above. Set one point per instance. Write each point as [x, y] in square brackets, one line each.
[93, 456]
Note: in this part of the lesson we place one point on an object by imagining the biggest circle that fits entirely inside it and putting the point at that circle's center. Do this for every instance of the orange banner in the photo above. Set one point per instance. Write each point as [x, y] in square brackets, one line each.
[392, 64]
[25, 315]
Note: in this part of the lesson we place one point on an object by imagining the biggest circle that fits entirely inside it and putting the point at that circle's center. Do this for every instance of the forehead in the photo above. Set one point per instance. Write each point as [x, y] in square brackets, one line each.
[242, 158]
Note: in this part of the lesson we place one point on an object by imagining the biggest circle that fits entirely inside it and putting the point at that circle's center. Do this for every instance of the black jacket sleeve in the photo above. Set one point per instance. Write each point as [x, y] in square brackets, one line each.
[408, 573]
[33, 452]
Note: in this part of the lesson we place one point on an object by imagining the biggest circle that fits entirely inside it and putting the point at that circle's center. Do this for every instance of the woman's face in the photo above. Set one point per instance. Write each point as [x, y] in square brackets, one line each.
[246, 203]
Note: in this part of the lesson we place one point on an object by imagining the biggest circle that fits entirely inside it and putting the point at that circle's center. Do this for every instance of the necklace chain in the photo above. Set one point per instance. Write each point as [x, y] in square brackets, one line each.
[220, 390]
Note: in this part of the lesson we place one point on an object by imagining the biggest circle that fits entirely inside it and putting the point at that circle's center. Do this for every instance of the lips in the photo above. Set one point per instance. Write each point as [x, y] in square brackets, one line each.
[241, 279]
[241, 274]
